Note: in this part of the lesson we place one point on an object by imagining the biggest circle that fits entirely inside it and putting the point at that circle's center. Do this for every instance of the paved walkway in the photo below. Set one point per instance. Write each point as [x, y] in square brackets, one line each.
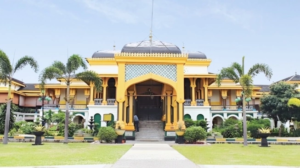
[153, 155]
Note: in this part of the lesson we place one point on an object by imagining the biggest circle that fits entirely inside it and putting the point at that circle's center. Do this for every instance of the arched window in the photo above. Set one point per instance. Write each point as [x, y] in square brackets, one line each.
[200, 117]
[187, 116]
[97, 119]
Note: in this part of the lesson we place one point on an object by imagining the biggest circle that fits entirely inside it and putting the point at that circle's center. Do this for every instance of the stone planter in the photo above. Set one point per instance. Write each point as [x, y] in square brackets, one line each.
[120, 132]
[179, 133]
[264, 141]
[180, 139]
[38, 138]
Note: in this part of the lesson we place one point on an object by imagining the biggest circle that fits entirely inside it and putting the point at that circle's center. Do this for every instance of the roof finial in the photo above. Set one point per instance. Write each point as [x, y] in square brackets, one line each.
[114, 46]
[150, 36]
[296, 73]
[183, 48]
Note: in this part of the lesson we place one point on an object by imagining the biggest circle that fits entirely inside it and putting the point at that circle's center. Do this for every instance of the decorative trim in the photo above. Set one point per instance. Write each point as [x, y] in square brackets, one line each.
[136, 70]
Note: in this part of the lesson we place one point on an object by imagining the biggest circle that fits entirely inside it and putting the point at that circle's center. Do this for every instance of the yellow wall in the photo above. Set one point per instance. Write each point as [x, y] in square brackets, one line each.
[80, 97]
[215, 99]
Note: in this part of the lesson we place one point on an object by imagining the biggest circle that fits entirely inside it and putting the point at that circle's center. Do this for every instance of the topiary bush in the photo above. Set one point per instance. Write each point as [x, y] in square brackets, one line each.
[193, 134]
[189, 123]
[107, 133]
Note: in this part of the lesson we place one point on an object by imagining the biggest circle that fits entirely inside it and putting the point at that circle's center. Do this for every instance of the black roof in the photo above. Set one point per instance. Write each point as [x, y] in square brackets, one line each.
[292, 78]
[264, 88]
[198, 55]
[18, 81]
[148, 47]
[104, 54]
[29, 86]
[151, 47]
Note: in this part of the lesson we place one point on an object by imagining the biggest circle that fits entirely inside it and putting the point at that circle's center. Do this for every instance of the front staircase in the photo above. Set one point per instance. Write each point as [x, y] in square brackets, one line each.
[151, 130]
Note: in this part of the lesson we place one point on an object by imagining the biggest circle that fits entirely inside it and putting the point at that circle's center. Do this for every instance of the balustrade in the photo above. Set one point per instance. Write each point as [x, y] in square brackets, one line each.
[187, 102]
[231, 108]
[50, 106]
[98, 101]
[199, 102]
[109, 101]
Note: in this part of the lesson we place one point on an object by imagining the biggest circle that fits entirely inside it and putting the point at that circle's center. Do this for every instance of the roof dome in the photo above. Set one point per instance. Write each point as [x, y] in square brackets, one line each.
[147, 47]
[197, 55]
[104, 54]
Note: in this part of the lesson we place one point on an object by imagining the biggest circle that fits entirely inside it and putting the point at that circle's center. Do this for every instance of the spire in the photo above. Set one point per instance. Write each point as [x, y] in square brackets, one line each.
[114, 46]
[183, 48]
[150, 36]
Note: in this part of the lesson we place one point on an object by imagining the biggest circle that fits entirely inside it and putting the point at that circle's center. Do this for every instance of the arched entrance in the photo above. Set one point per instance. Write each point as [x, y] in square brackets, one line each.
[78, 120]
[164, 89]
[148, 102]
[217, 122]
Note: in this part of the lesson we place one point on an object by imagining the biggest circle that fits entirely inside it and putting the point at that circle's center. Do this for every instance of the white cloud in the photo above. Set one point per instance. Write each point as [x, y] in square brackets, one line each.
[242, 17]
[112, 11]
[52, 7]
[166, 12]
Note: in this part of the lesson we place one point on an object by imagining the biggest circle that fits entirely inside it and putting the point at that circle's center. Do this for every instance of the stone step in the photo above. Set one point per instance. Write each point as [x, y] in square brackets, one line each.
[151, 131]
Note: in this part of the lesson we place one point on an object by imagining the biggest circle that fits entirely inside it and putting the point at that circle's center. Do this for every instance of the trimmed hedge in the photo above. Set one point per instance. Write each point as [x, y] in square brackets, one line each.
[107, 133]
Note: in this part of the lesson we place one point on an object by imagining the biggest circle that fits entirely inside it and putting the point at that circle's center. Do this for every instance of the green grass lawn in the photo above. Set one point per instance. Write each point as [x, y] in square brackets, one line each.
[237, 154]
[24, 154]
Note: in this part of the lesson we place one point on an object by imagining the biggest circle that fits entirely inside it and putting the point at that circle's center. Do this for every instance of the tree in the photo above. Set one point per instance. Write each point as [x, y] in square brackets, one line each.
[7, 71]
[236, 72]
[67, 72]
[2, 118]
[275, 105]
[48, 117]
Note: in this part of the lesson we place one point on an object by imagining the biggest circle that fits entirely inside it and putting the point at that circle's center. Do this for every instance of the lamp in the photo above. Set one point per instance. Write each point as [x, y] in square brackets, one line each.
[150, 93]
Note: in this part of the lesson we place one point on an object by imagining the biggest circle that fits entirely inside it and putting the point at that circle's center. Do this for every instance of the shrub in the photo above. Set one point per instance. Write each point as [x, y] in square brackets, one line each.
[107, 133]
[189, 123]
[111, 124]
[72, 128]
[264, 122]
[232, 131]
[230, 121]
[253, 128]
[201, 123]
[294, 102]
[193, 134]
[26, 127]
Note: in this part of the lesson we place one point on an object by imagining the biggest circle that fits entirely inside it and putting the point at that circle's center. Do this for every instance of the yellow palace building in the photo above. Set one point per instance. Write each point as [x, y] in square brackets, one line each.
[154, 80]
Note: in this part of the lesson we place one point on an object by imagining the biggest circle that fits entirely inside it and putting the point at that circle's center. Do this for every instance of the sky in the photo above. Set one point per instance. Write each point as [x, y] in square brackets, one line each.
[225, 30]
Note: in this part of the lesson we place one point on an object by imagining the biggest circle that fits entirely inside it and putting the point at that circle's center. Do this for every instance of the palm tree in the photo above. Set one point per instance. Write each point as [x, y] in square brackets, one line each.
[236, 72]
[68, 72]
[7, 71]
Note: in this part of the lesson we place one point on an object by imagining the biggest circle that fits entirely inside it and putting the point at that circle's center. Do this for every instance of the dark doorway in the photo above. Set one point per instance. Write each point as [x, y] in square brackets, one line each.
[149, 107]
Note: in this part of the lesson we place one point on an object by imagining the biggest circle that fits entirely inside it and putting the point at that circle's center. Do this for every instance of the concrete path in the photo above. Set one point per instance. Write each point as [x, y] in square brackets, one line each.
[242, 166]
[153, 155]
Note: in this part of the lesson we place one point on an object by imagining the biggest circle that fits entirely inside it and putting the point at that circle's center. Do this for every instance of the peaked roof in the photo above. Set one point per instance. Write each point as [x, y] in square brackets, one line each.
[295, 77]
[29, 86]
[264, 88]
